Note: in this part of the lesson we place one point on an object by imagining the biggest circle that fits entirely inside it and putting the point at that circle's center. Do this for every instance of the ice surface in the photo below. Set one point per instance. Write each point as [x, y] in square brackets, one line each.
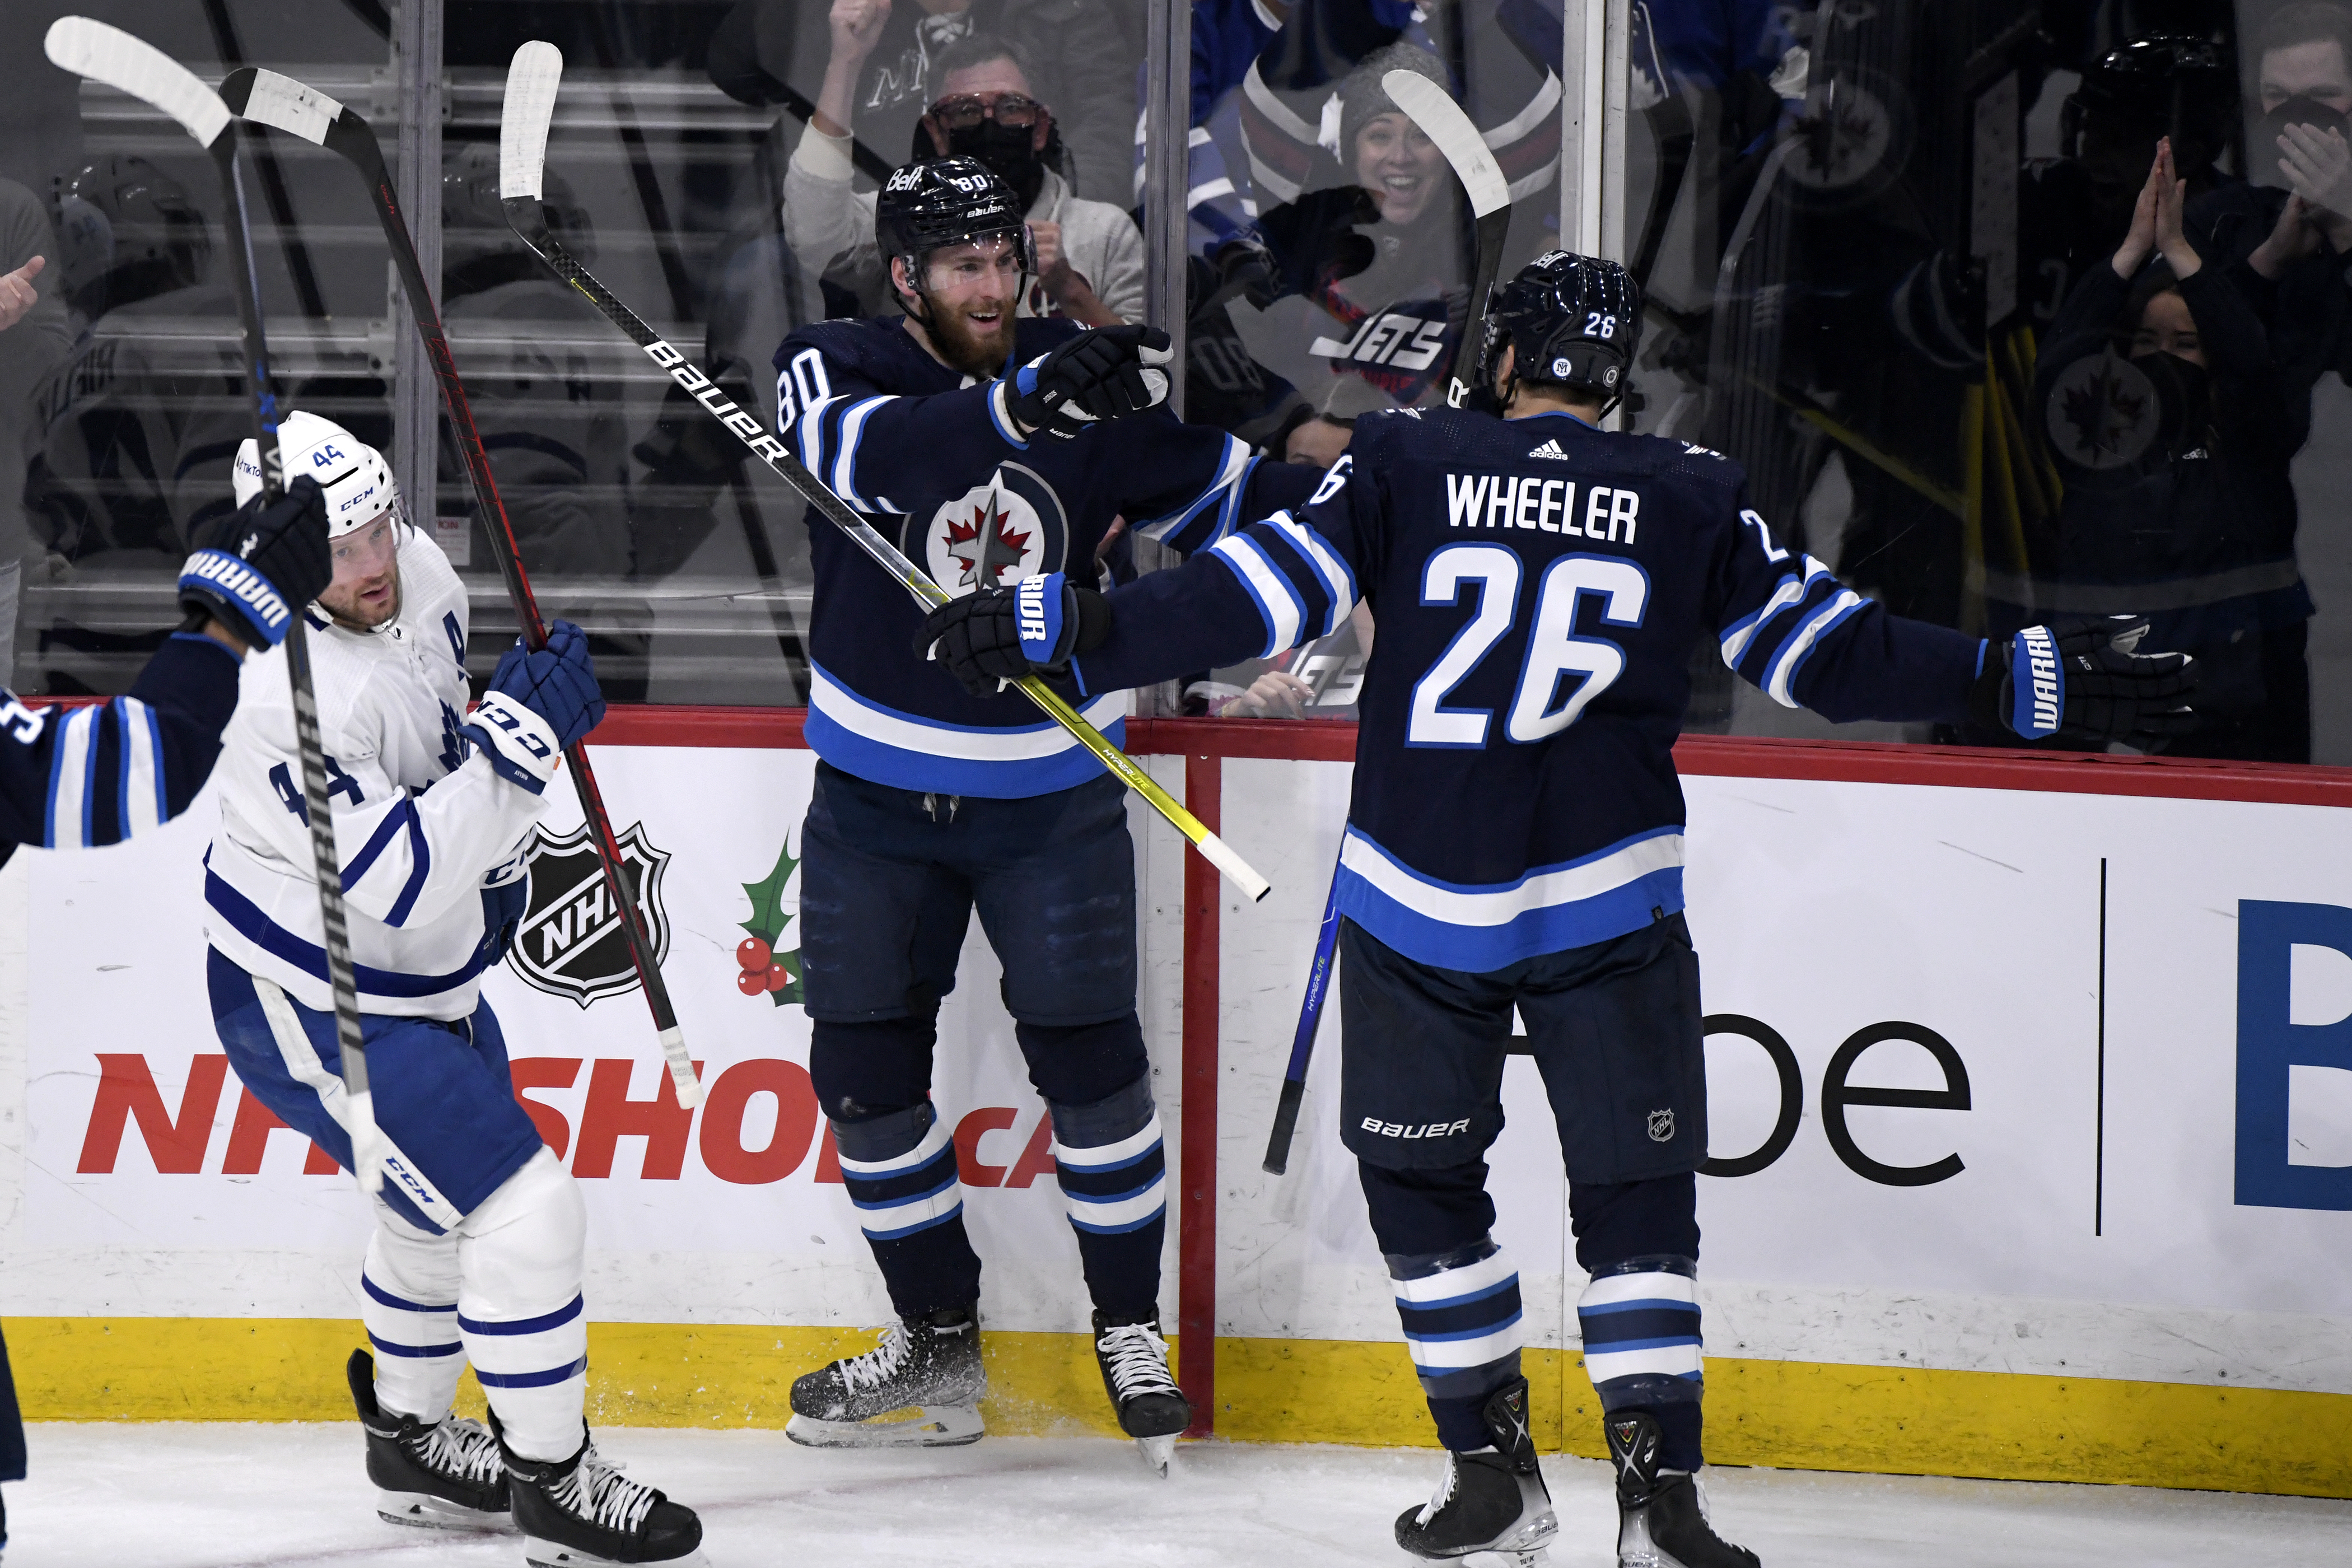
[213, 1495]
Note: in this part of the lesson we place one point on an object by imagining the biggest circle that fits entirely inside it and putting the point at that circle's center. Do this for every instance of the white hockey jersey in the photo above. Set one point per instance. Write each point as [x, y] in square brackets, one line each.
[422, 822]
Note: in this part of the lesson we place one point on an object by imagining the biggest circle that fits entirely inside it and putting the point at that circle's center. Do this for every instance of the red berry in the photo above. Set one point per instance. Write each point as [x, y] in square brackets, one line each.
[778, 977]
[751, 981]
[753, 953]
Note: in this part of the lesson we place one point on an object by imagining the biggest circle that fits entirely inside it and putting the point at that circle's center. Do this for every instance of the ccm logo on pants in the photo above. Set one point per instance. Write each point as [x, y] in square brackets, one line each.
[1427, 1129]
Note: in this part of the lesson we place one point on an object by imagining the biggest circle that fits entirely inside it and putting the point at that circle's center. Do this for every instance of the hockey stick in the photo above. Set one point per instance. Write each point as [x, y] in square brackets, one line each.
[1302, 1044]
[531, 82]
[280, 101]
[129, 65]
[1442, 120]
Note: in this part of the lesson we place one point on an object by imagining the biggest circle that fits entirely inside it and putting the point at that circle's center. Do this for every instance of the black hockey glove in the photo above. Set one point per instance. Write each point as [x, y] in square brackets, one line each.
[997, 635]
[1097, 376]
[260, 565]
[2084, 680]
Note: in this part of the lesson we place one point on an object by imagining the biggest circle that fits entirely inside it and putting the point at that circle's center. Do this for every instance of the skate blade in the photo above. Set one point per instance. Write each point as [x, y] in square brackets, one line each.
[1156, 1453]
[930, 1426]
[541, 1553]
[425, 1511]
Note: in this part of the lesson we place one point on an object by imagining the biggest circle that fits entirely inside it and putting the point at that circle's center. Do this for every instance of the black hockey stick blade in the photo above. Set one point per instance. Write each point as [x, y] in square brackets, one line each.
[1444, 122]
[280, 101]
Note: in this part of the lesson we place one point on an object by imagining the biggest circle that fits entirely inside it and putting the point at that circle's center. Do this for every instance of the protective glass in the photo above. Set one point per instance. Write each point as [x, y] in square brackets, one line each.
[966, 109]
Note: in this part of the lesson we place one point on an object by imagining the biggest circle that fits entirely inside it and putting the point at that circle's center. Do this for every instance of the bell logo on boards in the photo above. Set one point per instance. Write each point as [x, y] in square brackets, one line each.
[2295, 1055]
[570, 942]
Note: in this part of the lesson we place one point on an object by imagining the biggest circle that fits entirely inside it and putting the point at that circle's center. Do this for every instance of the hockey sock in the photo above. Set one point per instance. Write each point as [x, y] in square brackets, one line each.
[408, 1301]
[519, 1259]
[900, 1170]
[1461, 1316]
[1113, 1168]
[1640, 1324]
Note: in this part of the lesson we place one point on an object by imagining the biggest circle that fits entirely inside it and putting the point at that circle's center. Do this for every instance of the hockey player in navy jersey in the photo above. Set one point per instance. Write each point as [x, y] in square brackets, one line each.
[477, 1249]
[1538, 585]
[79, 778]
[978, 441]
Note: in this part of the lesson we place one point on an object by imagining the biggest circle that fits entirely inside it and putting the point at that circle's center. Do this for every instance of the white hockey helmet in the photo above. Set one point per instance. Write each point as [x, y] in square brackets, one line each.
[356, 478]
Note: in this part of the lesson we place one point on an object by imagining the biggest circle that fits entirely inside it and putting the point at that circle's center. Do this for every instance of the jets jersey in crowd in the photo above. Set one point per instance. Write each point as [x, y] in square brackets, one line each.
[932, 460]
[74, 778]
[422, 821]
[1538, 588]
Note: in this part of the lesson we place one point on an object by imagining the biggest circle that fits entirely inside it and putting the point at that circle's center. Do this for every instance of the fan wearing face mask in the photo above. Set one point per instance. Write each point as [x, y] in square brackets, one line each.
[985, 107]
[2173, 426]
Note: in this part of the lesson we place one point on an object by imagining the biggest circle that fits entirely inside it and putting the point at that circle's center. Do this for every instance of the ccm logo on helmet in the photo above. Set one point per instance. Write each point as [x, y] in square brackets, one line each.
[1426, 1130]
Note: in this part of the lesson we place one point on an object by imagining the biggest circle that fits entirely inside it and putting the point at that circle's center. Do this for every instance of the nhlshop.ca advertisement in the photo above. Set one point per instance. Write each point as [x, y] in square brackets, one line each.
[2000, 1079]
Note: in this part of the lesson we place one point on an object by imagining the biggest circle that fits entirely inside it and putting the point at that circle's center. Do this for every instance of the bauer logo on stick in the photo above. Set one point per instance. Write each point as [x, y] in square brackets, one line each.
[570, 941]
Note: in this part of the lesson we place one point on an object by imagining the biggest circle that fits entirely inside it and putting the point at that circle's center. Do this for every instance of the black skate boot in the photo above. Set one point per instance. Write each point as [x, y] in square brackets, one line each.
[929, 1365]
[443, 1476]
[1134, 1361]
[582, 1512]
[1661, 1520]
[1491, 1500]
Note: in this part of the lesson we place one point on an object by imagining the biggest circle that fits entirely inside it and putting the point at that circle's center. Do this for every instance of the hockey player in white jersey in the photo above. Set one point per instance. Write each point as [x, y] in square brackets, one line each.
[478, 1248]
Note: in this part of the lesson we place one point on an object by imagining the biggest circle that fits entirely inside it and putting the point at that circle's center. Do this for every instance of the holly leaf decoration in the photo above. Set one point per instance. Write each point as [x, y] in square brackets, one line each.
[769, 922]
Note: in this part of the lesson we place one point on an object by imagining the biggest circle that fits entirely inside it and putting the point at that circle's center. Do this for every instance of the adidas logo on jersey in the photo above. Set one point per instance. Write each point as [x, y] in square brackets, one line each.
[1549, 449]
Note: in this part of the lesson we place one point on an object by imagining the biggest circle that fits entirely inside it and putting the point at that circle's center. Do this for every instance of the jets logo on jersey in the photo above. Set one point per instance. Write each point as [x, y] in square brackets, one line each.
[571, 943]
[2103, 411]
[995, 534]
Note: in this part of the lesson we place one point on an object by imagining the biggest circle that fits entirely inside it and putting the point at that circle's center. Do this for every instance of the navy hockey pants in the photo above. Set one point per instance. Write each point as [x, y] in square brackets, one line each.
[1614, 1030]
[12, 1424]
[889, 881]
[441, 1092]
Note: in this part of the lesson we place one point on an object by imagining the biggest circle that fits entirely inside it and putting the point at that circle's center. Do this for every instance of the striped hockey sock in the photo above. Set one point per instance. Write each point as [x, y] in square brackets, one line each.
[1641, 1325]
[901, 1173]
[1462, 1322]
[1112, 1165]
[408, 1303]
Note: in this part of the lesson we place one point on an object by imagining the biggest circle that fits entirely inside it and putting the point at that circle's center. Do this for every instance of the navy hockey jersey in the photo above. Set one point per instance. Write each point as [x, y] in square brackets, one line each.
[932, 460]
[77, 778]
[1538, 588]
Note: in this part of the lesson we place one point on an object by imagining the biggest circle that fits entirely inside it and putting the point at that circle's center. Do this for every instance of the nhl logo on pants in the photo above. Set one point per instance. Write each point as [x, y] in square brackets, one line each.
[570, 942]
[1661, 1126]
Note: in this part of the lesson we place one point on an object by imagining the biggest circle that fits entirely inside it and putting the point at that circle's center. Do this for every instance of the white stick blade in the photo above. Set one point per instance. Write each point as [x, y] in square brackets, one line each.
[134, 66]
[1442, 120]
[531, 80]
[285, 104]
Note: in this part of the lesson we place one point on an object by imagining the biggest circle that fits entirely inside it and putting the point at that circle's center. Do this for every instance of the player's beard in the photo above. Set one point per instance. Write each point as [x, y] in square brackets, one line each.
[979, 352]
[352, 615]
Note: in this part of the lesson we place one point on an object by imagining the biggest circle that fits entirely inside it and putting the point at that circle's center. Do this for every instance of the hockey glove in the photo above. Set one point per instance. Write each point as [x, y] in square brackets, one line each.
[538, 705]
[2084, 680]
[998, 634]
[261, 564]
[1097, 376]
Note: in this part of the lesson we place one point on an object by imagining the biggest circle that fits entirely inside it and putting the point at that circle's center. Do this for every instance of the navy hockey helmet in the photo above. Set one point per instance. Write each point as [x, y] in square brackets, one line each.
[127, 231]
[1574, 320]
[946, 201]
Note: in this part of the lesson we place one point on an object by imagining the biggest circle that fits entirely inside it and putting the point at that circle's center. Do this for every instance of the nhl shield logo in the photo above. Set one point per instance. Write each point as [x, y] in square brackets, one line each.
[570, 942]
[1662, 1126]
[995, 534]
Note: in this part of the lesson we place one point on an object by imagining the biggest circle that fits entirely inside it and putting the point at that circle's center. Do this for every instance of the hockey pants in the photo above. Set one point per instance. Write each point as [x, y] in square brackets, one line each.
[1614, 1030]
[889, 881]
[478, 1248]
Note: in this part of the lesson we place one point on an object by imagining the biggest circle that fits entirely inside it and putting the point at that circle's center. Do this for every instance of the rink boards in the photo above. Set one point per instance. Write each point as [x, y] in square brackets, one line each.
[2033, 1107]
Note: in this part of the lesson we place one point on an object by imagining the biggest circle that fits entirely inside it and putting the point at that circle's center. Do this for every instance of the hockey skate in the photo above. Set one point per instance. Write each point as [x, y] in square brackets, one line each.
[582, 1512]
[1661, 1518]
[447, 1476]
[1134, 1361]
[1490, 1501]
[920, 1388]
